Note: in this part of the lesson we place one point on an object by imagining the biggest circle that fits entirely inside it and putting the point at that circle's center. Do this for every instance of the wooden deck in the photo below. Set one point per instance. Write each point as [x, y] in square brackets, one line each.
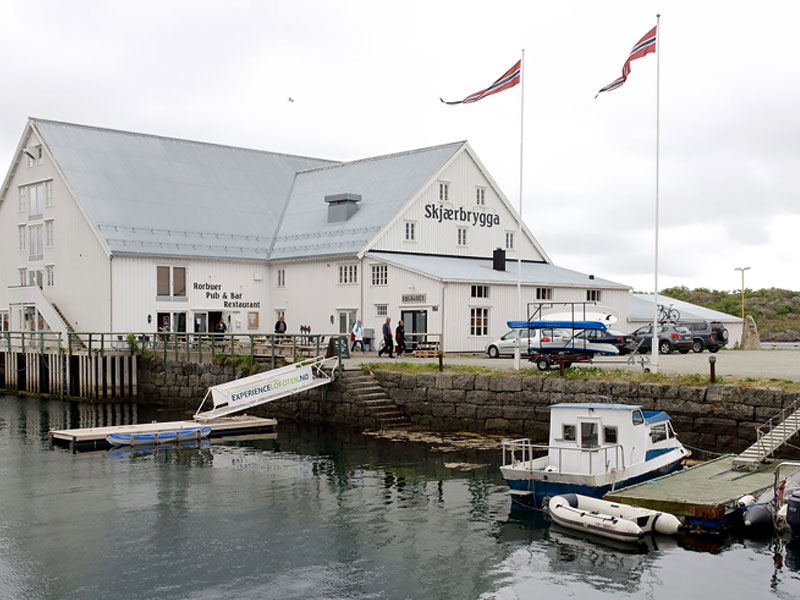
[94, 438]
[703, 495]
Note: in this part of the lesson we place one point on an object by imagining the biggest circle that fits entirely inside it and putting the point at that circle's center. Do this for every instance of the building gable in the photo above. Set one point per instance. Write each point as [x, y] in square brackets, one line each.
[460, 212]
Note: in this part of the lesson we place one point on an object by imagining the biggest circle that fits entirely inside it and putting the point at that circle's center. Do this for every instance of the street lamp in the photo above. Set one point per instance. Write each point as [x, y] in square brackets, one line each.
[742, 269]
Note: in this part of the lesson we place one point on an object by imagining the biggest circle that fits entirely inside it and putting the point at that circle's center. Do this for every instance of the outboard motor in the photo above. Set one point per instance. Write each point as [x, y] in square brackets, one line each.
[793, 513]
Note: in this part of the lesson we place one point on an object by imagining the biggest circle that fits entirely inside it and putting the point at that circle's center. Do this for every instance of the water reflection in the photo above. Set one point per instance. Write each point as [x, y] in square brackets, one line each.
[311, 512]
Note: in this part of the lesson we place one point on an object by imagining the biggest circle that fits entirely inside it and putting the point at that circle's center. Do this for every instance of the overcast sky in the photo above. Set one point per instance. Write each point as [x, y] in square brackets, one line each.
[366, 78]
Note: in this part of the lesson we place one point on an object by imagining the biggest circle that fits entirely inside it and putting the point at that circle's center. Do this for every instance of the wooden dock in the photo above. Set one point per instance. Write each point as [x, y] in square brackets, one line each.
[94, 438]
[703, 496]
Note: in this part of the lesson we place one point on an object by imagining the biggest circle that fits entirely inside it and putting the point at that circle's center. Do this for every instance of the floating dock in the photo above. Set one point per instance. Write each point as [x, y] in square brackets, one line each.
[704, 496]
[94, 438]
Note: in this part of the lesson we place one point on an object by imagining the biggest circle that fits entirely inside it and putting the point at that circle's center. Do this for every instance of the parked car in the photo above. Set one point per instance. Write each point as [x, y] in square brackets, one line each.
[702, 335]
[670, 337]
[720, 333]
[535, 338]
[623, 342]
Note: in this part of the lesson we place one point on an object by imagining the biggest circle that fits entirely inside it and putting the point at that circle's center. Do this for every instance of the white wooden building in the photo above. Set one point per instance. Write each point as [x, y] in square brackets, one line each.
[104, 230]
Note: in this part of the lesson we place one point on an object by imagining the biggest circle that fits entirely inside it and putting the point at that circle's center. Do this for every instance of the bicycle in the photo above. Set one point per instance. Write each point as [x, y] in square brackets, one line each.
[667, 313]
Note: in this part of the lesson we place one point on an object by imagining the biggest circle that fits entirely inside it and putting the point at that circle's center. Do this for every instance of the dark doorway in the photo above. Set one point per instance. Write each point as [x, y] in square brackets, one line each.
[415, 321]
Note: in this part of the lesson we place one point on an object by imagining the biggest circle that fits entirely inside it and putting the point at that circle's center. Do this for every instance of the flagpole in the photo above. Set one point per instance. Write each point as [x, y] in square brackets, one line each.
[517, 351]
[654, 359]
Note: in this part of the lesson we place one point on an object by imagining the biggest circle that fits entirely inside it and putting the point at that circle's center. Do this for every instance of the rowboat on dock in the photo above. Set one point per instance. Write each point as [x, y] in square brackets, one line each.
[158, 437]
[594, 448]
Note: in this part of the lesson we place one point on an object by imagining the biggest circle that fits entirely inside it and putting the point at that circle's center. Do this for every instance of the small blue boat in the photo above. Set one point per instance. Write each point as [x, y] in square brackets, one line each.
[158, 437]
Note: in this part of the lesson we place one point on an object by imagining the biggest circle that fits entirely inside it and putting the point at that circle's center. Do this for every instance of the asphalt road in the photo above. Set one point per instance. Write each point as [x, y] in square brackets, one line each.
[762, 364]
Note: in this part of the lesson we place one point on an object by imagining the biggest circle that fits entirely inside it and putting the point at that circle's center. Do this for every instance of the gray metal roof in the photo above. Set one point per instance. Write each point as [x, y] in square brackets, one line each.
[385, 184]
[446, 268]
[154, 195]
[641, 309]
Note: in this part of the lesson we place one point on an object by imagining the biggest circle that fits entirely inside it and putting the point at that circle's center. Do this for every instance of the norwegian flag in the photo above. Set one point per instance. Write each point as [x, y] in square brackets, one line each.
[507, 80]
[644, 46]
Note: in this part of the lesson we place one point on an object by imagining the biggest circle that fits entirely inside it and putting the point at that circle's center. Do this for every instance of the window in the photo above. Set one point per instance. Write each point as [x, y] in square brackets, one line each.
[568, 433]
[637, 417]
[35, 200]
[348, 274]
[23, 276]
[380, 274]
[49, 272]
[35, 242]
[281, 278]
[593, 295]
[381, 310]
[462, 236]
[480, 196]
[23, 199]
[589, 435]
[544, 293]
[48, 193]
[509, 240]
[444, 191]
[22, 235]
[4, 322]
[48, 233]
[34, 155]
[610, 435]
[658, 433]
[171, 282]
[411, 231]
[479, 321]
[479, 291]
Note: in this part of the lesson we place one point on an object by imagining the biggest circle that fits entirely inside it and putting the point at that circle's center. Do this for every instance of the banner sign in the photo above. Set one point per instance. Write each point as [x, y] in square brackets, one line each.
[262, 387]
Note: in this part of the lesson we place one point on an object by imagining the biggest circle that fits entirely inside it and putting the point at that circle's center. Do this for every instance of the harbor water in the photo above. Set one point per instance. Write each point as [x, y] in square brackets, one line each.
[316, 513]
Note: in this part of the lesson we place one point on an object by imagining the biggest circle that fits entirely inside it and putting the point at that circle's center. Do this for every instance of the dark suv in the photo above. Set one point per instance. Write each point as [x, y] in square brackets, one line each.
[670, 337]
[703, 337]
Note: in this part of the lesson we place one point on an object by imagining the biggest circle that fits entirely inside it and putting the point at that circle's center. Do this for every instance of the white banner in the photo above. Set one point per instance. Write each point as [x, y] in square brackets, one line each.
[262, 387]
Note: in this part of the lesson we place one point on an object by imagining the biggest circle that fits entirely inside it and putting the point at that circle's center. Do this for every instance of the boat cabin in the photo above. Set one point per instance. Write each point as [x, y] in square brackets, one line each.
[595, 438]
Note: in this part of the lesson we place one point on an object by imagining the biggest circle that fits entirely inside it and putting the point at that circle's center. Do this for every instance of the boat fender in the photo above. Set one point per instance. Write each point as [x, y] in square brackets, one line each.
[793, 513]
[746, 501]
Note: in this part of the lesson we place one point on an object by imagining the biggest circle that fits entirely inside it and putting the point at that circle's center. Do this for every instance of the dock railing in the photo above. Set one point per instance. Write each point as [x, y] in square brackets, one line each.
[177, 346]
[523, 452]
[778, 429]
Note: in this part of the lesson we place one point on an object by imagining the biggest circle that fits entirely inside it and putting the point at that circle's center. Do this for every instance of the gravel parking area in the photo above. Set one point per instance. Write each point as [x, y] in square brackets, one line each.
[763, 364]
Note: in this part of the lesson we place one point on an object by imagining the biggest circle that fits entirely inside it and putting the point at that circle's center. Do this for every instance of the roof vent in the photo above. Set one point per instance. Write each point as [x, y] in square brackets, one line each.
[591, 276]
[342, 206]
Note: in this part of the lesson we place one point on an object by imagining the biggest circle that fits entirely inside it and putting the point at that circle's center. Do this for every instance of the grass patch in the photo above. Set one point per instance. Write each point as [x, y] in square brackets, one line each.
[587, 374]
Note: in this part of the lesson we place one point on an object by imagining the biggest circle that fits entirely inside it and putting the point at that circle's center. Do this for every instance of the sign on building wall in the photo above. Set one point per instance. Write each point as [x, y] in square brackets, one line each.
[412, 298]
[216, 295]
[441, 213]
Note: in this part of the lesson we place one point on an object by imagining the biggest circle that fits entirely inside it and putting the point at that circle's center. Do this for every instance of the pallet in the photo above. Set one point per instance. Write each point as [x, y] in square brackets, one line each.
[427, 353]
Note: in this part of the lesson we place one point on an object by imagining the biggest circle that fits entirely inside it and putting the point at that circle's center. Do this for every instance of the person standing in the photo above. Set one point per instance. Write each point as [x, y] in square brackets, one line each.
[388, 343]
[400, 338]
[358, 336]
[280, 325]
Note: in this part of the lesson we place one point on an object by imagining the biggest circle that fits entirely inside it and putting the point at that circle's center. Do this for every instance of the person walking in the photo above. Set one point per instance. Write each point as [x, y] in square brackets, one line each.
[388, 343]
[358, 336]
[400, 338]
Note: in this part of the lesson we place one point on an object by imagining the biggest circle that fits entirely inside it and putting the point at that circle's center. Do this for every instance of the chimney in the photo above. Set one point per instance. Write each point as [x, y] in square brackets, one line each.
[342, 206]
[499, 260]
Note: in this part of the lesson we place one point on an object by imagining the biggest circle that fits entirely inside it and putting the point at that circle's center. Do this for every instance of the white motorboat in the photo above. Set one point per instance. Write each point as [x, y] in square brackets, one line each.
[609, 519]
[594, 448]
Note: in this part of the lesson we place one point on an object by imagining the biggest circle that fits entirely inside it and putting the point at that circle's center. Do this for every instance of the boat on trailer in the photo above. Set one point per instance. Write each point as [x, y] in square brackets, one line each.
[158, 437]
[573, 345]
[594, 448]
[615, 521]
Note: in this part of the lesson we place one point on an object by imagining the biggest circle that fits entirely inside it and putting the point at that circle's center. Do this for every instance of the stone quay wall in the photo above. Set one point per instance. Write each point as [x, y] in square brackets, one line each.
[720, 418]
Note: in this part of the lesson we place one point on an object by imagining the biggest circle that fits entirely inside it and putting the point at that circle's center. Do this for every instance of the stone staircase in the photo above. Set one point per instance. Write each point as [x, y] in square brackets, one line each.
[377, 404]
[771, 436]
